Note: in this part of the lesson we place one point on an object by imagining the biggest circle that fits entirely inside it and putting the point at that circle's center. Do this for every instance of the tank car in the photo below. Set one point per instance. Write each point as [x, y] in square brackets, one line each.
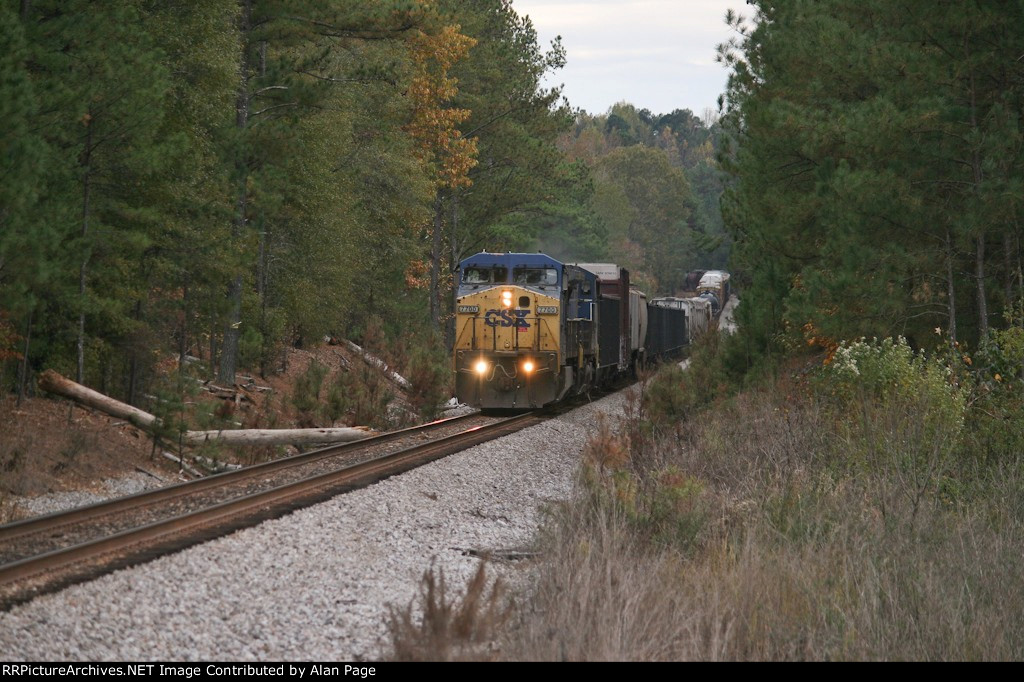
[714, 286]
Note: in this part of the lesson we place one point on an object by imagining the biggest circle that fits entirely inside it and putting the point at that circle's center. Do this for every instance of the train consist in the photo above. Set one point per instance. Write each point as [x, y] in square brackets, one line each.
[530, 330]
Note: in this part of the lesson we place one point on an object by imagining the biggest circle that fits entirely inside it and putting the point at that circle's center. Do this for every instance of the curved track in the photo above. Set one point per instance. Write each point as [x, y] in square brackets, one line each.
[46, 553]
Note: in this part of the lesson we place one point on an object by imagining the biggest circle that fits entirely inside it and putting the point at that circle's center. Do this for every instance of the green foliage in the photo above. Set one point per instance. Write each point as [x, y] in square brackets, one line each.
[624, 473]
[364, 395]
[168, 405]
[654, 203]
[890, 370]
[429, 372]
[658, 195]
[875, 166]
[995, 376]
[306, 393]
[898, 411]
[674, 394]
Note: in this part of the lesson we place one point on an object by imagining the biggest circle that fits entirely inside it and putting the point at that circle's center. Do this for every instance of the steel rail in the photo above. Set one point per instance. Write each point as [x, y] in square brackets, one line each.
[62, 567]
[61, 519]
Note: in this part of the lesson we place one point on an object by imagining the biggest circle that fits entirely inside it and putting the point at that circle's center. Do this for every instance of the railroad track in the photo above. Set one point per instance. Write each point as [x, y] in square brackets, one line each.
[47, 553]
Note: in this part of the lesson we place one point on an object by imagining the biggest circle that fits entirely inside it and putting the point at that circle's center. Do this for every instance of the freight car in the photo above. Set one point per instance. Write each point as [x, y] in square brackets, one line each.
[697, 310]
[714, 286]
[530, 330]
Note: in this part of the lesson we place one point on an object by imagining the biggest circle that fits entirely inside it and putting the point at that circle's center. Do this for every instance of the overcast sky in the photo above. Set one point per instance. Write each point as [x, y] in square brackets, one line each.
[655, 54]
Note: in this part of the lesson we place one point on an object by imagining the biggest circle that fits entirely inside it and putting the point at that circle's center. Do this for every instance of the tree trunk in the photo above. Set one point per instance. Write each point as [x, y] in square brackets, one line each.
[23, 368]
[435, 263]
[86, 162]
[213, 346]
[979, 274]
[1020, 270]
[261, 291]
[449, 327]
[232, 331]
[979, 265]
[55, 383]
[183, 338]
[133, 359]
[374, 361]
[229, 349]
[952, 288]
[1008, 267]
[277, 436]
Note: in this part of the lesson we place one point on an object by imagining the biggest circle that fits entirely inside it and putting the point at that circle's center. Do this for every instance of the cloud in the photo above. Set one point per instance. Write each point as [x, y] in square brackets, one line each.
[657, 54]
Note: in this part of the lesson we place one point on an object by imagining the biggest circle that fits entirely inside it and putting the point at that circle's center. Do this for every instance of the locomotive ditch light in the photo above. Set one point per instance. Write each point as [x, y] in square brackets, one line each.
[528, 366]
[506, 299]
[481, 367]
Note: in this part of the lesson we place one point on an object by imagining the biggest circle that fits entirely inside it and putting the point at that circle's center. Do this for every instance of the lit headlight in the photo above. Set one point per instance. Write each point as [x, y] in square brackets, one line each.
[506, 299]
[528, 366]
[481, 367]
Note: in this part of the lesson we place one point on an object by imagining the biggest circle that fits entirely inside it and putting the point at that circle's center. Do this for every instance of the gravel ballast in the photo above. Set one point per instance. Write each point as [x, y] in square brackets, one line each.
[107, 489]
[316, 584]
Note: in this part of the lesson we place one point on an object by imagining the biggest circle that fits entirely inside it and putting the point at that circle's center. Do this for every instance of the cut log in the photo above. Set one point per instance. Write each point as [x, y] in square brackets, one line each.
[278, 436]
[181, 463]
[55, 383]
[373, 361]
[215, 466]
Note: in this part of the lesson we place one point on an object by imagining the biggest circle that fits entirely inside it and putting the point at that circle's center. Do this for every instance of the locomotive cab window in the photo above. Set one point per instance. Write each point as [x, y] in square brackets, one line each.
[535, 276]
[484, 275]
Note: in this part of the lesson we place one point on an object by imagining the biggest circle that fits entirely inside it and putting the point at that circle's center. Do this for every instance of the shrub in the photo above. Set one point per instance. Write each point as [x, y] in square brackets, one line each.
[896, 411]
[429, 372]
[449, 627]
[363, 394]
[306, 393]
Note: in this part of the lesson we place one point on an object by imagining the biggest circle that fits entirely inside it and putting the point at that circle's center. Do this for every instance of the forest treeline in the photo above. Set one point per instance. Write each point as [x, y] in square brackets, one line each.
[877, 152]
[225, 179]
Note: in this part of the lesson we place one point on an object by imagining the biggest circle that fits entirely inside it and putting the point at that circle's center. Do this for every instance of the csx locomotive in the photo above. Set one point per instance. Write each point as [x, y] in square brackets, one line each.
[530, 330]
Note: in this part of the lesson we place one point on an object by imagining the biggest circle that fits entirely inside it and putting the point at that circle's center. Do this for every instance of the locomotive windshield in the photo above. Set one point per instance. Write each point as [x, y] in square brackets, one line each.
[535, 276]
[484, 275]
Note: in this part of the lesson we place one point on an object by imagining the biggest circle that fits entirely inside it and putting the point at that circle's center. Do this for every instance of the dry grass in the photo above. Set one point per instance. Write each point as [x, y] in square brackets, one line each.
[795, 539]
[442, 626]
[40, 448]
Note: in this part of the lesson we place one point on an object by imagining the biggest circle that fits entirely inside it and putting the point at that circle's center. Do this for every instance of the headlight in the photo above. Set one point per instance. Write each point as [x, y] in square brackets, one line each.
[528, 366]
[506, 299]
[481, 367]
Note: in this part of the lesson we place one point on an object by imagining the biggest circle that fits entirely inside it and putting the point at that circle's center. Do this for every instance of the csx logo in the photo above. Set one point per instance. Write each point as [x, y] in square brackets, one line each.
[507, 318]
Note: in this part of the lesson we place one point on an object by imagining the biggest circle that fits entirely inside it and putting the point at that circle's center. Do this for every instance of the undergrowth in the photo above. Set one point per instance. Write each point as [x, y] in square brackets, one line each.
[841, 513]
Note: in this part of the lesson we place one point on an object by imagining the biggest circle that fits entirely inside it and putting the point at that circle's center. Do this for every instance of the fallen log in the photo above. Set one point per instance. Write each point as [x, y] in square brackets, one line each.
[375, 362]
[182, 466]
[215, 466]
[278, 436]
[55, 383]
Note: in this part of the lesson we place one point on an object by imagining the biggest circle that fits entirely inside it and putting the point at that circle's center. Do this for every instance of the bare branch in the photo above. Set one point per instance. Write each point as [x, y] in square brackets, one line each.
[276, 106]
[330, 79]
[269, 88]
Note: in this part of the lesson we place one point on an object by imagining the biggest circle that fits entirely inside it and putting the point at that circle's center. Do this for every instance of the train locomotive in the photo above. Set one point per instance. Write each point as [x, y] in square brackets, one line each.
[530, 330]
